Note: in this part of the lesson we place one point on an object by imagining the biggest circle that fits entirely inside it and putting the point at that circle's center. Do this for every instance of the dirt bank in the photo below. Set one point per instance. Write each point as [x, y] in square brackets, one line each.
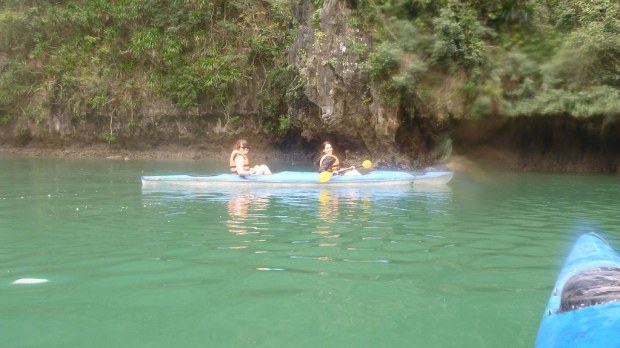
[105, 151]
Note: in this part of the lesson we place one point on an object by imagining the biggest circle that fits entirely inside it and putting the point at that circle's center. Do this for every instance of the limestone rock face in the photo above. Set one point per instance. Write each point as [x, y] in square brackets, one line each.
[334, 99]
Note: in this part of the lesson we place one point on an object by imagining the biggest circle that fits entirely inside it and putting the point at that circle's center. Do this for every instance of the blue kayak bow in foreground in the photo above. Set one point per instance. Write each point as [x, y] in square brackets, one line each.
[584, 308]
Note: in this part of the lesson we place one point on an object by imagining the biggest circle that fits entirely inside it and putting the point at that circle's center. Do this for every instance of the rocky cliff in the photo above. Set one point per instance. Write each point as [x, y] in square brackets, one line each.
[334, 99]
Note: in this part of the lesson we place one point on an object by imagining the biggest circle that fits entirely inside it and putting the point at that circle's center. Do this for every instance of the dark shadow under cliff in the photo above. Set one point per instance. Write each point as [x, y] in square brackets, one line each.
[556, 144]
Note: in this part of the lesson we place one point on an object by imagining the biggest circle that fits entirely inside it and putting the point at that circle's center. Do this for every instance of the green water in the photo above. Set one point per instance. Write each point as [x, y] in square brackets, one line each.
[467, 265]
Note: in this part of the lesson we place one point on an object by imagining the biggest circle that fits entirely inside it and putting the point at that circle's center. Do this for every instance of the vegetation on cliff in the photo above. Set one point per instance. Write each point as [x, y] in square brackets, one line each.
[99, 66]
[102, 61]
[511, 58]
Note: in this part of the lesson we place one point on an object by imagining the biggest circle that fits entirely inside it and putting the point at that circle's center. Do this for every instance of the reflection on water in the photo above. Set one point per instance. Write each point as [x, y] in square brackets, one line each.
[340, 206]
[328, 206]
[297, 196]
[239, 208]
[293, 221]
[328, 202]
[328, 211]
[316, 230]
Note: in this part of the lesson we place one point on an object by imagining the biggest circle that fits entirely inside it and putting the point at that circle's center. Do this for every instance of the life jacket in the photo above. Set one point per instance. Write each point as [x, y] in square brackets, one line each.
[334, 166]
[233, 164]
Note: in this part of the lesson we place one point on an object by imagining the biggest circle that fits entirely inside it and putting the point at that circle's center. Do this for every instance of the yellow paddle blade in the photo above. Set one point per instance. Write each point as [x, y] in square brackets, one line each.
[367, 164]
[325, 176]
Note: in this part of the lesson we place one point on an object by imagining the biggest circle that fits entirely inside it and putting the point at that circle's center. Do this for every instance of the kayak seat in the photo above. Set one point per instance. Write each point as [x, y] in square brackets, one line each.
[591, 287]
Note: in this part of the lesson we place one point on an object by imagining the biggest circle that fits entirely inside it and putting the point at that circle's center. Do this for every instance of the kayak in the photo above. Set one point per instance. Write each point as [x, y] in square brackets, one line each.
[584, 308]
[290, 178]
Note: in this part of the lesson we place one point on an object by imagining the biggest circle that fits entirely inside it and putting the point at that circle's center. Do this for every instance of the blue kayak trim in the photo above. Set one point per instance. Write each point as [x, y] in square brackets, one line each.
[593, 326]
[290, 178]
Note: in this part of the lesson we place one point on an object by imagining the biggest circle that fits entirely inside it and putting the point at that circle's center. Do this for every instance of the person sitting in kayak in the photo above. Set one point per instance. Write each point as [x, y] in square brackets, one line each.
[329, 162]
[240, 164]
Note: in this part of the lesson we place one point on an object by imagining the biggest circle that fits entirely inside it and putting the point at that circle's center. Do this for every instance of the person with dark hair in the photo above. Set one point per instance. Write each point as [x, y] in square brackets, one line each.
[240, 163]
[330, 163]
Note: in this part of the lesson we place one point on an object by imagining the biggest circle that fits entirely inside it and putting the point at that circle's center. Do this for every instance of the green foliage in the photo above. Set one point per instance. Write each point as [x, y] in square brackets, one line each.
[275, 108]
[108, 137]
[459, 38]
[278, 128]
[580, 74]
[4, 118]
[524, 57]
[595, 101]
[144, 41]
[384, 61]
[98, 101]
[566, 16]
[397, 66]
[588, 54]
[512, 57]
[94, 55]
[15, 79]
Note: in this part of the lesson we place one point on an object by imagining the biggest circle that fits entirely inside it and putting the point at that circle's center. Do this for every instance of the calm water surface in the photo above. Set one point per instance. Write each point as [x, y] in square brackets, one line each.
[470, 264]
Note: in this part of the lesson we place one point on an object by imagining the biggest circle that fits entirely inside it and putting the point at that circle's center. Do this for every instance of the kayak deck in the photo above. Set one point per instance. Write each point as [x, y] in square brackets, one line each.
[299, 179]
[583, 310]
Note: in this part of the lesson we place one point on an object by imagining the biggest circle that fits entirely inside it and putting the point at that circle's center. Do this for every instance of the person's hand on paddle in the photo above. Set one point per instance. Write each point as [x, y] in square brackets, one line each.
[325, 176]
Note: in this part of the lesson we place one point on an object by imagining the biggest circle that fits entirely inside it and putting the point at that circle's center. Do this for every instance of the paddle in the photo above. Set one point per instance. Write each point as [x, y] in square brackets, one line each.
[326, 175]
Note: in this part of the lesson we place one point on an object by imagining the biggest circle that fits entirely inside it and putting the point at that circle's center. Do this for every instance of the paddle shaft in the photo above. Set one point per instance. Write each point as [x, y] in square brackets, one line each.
[344, 170]
[326, 175]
